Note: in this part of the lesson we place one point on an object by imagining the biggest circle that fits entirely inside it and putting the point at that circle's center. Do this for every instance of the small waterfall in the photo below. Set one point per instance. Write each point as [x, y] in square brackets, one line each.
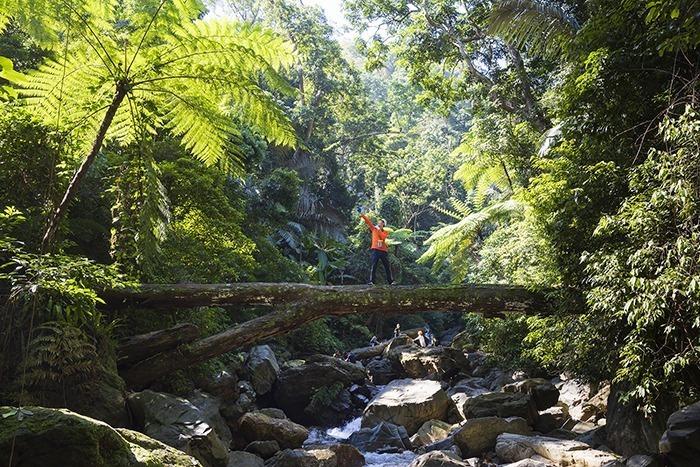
[342, 433]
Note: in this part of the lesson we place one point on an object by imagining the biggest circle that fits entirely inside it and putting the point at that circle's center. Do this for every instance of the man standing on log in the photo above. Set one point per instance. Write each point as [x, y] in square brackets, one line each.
[379, 249]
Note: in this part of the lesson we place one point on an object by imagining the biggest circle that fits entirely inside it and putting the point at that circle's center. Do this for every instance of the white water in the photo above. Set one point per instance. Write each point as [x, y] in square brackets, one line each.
[373, 459]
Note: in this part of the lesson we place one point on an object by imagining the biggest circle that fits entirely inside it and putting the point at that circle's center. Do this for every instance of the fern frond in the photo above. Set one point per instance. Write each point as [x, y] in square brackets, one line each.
[453, 242]
[545, 27]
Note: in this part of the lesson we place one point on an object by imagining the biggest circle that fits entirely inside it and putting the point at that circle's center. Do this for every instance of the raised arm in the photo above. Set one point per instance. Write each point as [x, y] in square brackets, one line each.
[368, 222]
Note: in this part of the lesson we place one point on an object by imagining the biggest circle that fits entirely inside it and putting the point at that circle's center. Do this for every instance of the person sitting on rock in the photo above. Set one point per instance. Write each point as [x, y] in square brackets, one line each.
[397, 330]
[379, 248]
[420, 340]
[374, 341]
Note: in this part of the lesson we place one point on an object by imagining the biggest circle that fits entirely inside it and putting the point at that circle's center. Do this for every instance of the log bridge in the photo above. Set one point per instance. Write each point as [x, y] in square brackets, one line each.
[144, 358]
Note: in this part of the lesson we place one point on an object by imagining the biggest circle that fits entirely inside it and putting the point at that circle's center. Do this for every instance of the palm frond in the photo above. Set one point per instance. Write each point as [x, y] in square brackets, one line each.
[543, 26]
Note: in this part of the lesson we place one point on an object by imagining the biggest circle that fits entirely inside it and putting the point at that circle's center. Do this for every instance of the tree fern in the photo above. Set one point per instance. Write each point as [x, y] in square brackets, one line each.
[544, 26]
[132, 68]
[452, 244]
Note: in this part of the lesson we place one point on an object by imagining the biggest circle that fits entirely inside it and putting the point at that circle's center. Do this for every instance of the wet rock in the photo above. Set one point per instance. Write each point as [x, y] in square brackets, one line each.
[179, 423]
[361, 394]
[264, 449]
[58, 437]
[327, 456]
[478, 435]
[381, 371]
[500, 404]
[430, 432]
[383, 438]
[297, 385]
[244, 459]
[432, 362]
[438, 459]
[543, 392]
[256, 426]
[262, 368]
[681, 440]
[409, 403]
[514, 447]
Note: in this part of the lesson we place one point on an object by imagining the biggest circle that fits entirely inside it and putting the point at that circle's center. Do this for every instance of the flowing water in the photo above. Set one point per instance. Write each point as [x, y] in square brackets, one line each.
[341, 434]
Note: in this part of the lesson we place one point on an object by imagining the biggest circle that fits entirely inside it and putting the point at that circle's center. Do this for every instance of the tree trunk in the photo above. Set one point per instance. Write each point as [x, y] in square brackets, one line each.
[301, 303]
[62, 208]
[136, 348]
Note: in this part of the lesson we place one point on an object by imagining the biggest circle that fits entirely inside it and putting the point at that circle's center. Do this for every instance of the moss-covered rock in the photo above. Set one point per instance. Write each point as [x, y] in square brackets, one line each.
[58, 437]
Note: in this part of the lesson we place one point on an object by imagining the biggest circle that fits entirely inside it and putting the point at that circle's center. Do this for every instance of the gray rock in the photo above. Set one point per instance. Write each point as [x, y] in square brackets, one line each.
[384, 437]
[179, 423]
[574, 393]
[244, 459]
[514, 447]
[629, 432]
[58, 437]
[264, 449]
[409, 403]
[681, 440]
[262, 368]
[296, 385]
[223, 385]
[438, 459]
[339, 455]
[381, 371]
[594, 438]
[500, 404]
[478, 435]
[543, 392]
[430, 432]
[641, 460]
[256, 426]
[273, 412]
[432, 362]
[551, 419]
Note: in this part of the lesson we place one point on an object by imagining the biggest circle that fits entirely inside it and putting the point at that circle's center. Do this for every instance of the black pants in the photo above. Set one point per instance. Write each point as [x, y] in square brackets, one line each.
[383, 256]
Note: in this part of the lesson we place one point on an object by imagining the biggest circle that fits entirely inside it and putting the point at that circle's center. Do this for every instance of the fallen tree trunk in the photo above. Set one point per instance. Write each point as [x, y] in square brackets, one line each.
[136, 348]
[302, 304]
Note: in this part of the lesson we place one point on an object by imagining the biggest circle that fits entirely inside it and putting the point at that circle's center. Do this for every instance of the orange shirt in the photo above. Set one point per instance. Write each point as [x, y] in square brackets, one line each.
[378, 235]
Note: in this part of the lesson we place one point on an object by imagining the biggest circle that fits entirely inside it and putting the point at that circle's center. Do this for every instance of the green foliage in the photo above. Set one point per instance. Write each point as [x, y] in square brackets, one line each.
[645, 278]
[311, 338]
[323, 398]
[8, 73]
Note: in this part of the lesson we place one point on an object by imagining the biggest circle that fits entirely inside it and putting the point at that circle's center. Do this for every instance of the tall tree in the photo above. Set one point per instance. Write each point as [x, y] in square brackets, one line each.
[123, 71]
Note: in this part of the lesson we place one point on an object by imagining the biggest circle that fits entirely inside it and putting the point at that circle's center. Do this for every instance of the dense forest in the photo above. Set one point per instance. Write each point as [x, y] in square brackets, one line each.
[548, 145]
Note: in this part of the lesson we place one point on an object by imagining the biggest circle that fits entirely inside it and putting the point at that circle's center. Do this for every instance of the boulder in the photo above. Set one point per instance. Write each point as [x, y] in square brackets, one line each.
[297, 385]
[447, 337]
[432, 362]
[496, 378]
[438, 459]
[365, 353]
[223, 385]
[179, 423]
[681, 440]
[472, 386]
[340, 455]
[384, 437]
[409, 403]
[45, 437]
[594, 438]
[551, 419]
[381, 371]
[232, 411]
[256, 426]
[210, 407]
[543, 392]
[465, 340]
[629, 432]
[262, 368]
[401, 341]
[273, 412]
[529, 463]
[430, 432]
[640, 460]
[244, 459]
[264, 449]
[514, 447]
[597, 406]
[574, 393]
[500, 404]
[478, 435]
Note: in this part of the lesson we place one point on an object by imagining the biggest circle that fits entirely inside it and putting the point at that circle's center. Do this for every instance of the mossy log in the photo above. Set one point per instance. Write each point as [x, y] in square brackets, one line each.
[298, 304]
[136, 348]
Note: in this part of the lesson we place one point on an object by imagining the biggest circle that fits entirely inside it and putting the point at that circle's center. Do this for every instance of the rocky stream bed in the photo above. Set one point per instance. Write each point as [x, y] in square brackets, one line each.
[398, 405]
